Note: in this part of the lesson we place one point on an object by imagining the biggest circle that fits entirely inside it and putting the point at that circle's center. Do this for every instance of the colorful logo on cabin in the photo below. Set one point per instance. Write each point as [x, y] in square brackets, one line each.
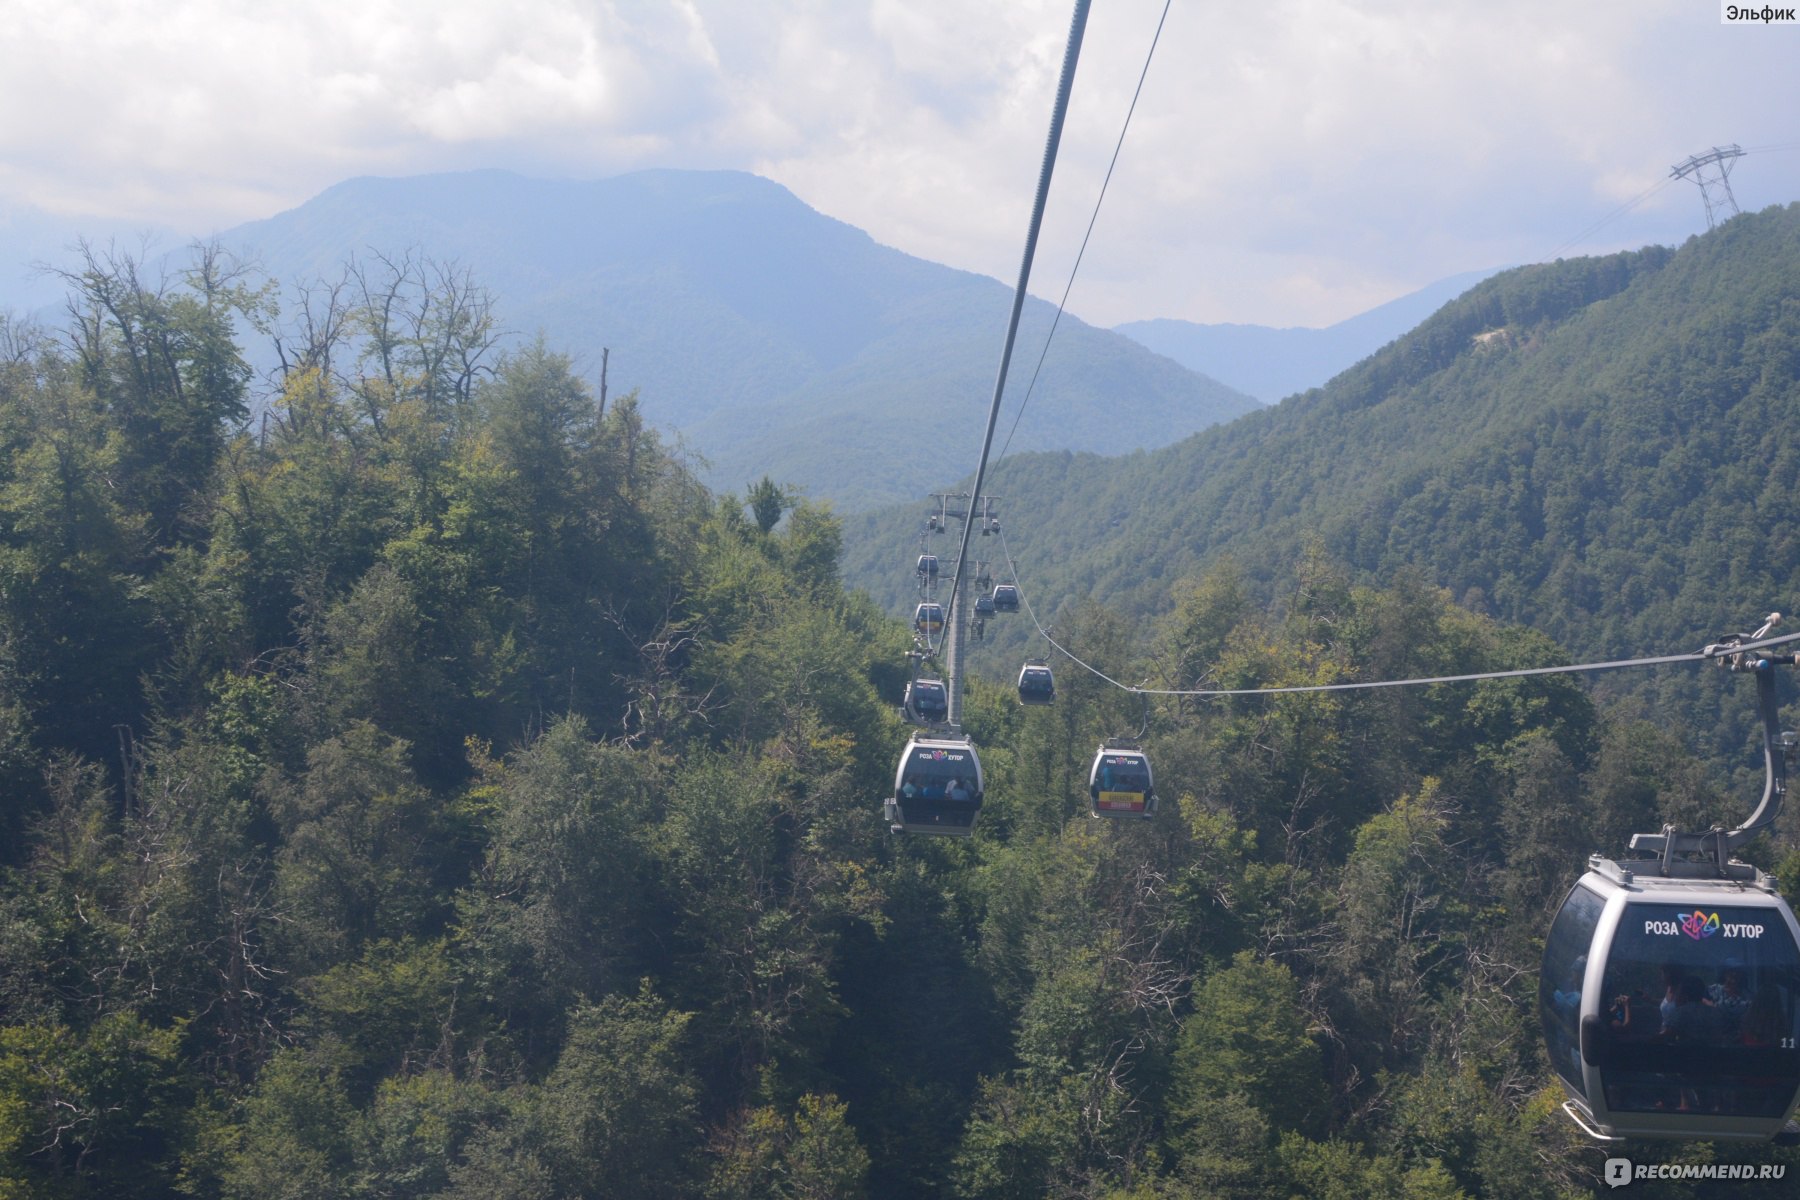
[1700, 925]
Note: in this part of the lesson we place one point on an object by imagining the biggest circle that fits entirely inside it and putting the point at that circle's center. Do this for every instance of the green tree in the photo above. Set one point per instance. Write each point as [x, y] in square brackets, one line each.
[96, 1108]
[1248, 1034]
[767, 501]
[295, 1132]
[565, 893]
[164, 363]
[361, 849]
[621, 1103]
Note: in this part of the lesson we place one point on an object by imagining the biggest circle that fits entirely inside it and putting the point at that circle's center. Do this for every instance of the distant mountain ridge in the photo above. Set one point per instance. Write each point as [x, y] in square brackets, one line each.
[1272, 363]
[773, 339]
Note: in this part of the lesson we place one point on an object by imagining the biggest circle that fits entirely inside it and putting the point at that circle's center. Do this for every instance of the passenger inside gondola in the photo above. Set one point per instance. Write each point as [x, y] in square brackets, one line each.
[1668, 1042]
[1727, 997]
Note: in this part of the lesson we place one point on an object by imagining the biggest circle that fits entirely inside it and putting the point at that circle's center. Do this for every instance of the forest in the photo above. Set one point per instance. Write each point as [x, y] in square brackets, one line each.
[423, 787]
[1594, 447]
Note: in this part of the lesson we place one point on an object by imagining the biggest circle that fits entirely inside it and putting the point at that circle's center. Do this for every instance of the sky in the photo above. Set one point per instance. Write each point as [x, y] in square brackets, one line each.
[1289, 163]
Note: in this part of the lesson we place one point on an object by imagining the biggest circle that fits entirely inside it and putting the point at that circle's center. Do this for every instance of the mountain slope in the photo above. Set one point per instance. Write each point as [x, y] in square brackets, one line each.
[1600, 448]
[773, 338]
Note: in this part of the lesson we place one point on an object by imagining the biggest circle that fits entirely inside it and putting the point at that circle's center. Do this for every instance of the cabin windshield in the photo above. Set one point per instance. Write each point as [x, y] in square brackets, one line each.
[1701, 1011]
[1560, 982]
[1122, 773]
[936, 774]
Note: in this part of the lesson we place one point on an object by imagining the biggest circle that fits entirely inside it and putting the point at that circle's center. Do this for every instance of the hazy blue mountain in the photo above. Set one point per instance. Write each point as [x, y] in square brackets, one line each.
[770, 337]
[1271, 363]
[31, 238]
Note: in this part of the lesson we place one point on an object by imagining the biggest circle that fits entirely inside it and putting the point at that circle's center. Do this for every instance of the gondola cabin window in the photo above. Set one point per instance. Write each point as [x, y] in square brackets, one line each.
[1121, 783]
[1563, 979]
[1701, 1009]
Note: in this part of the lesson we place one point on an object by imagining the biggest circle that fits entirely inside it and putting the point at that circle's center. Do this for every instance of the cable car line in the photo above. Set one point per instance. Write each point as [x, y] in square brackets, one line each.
[1703, 655]
[1657, 660]
[938, 783]
[1065, 84]
[1098, 200]
[1722, 1068]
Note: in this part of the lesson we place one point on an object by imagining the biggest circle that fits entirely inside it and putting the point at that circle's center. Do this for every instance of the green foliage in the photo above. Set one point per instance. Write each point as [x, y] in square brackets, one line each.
[766, 501]
[93, 1108]
[295, 1135]
[1609, 471]
[813, 1155]
[566, 878]
[1248, 1035]
[440, 794]
[389, 1012]
[414, 1129]
[619, 1107]
[360, 838]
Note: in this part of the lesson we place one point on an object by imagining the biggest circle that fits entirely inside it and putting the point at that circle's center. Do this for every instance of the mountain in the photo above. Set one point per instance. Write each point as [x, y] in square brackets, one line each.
[1600, 448]
[772, 338]
[1271, 363]
[31, 238]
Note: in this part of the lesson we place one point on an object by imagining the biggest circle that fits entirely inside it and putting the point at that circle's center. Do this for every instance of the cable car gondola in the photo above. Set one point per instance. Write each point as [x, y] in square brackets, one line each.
[1036, 684]
[928, 566]
[1006, 598]
[1670, 988]
[928, 619]
[1120, 782]
[927, 702]
[937, 787]
[984, 606]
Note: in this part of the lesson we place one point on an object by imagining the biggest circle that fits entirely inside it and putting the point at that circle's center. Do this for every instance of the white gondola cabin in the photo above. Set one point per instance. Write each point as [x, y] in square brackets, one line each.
[1120, 783]
[1036, 684]
[1671, 1007]
[1670, 986]
[937, 787]
[927, 702]
[1006, 598]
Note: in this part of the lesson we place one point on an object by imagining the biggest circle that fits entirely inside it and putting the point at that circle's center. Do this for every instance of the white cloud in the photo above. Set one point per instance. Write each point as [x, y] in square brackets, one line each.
[1289, 163]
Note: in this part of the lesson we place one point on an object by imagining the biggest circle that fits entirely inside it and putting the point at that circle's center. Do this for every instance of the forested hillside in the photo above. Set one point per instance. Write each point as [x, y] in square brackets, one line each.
[1601, 449]
[432, 791]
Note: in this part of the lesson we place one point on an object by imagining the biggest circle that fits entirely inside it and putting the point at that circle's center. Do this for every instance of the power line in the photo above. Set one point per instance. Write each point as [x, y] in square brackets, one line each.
[1621, 210]
[1612, 216]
